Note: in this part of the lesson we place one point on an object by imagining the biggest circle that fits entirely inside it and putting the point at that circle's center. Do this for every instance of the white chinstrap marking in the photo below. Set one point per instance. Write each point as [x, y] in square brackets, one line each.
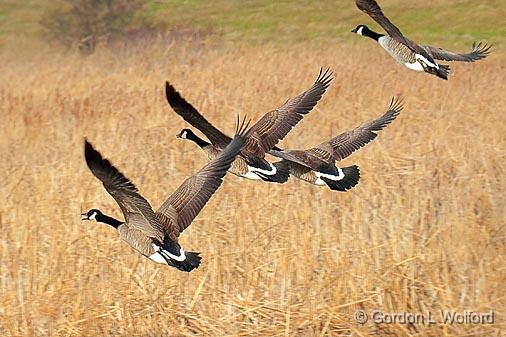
[93, 216]
[422, 58]
[359, 31]
[269, 173]
[183, 135]
[331, 176]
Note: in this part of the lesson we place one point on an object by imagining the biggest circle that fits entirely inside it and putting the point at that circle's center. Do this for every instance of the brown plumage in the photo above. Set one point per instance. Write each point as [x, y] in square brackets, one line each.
[155, 234]
[371, 8]
[412, 55]
[265, 134]
[317, 165]
[479, 51]
[240, 167]
[399, 51]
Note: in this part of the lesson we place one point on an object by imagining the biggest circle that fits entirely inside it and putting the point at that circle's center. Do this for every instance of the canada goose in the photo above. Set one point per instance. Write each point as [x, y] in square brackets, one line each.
[268, 131]
[413, 56]
[155, 235]
[240, 167]
[317, 165]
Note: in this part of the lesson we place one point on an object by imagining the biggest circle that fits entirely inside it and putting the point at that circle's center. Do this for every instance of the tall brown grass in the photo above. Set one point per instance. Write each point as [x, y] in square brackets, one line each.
[423, 231]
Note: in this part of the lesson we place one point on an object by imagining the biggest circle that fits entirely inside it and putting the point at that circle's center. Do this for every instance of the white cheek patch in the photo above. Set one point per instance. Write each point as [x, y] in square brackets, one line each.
[183, 135]
[93, 216]
[359, 31]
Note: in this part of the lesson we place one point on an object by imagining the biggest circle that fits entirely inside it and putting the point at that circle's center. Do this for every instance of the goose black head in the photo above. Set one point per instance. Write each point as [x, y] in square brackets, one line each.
[361, 30]
[92, 214]
[185, 134]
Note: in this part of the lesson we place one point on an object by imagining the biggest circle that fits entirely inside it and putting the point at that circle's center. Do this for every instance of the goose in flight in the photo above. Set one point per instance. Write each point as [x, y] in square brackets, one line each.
[317, 165]
[264, 135]
[412, 55]
[155, 234]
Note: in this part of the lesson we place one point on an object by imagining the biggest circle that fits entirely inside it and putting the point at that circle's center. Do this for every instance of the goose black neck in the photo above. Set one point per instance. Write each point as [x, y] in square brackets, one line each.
[373, 35]
[108, 220]
[199, 141]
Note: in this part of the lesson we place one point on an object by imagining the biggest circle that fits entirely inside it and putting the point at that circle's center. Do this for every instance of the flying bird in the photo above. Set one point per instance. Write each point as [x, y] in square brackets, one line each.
[264, 135]
[155, 234]
[412, 55]
[317, 165]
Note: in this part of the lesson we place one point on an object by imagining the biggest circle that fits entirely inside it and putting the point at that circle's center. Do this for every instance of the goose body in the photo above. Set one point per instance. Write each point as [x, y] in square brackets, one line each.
[240, 166]
[410, 54]
[265, 134]
[315, 177]
[401, 53]
[317, 165]
[155, 234]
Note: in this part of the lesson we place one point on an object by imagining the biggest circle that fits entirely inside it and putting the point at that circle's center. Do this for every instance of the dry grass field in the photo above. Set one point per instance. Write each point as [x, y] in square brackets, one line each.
[422, 232]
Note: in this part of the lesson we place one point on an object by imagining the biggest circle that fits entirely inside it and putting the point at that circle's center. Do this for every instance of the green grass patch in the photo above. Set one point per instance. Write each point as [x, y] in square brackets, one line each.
[455, 23]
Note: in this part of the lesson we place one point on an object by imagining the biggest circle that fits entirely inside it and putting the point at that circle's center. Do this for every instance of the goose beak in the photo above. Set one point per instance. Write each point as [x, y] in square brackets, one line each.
[178, 135]
[84, 216]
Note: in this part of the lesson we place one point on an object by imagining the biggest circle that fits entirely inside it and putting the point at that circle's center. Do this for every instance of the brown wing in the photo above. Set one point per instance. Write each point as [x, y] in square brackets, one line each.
[371, 8]
[276, 124]
[192, 116]
[296, 156]
[136, 210]
[179, 210]
[315, 159]
[479, 51]
[324, 154]
[346, 143]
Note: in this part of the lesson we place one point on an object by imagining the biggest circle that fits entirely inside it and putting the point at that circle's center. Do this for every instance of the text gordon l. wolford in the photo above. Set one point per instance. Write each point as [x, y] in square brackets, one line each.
[445, 317]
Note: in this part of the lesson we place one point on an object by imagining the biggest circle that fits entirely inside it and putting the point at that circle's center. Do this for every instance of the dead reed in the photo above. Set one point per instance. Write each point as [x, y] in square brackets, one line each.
[423, 231]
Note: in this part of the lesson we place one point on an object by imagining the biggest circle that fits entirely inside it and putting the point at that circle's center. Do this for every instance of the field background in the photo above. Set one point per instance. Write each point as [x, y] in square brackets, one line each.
[423, 231]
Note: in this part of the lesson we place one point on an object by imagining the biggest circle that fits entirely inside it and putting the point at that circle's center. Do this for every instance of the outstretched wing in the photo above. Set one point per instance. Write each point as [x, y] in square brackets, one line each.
[296, 156]
[276, 124]
[136, 210]
[479, 51]
[179, 210]
[348, 142]
[371, 8]
[192, 116]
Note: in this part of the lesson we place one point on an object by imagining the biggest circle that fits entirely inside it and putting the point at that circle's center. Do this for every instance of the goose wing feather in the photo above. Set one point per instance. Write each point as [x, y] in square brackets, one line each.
[194, 118]
[478, 52]
[179, 210]
[348, 142]
[136, 210]
[276, 124]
